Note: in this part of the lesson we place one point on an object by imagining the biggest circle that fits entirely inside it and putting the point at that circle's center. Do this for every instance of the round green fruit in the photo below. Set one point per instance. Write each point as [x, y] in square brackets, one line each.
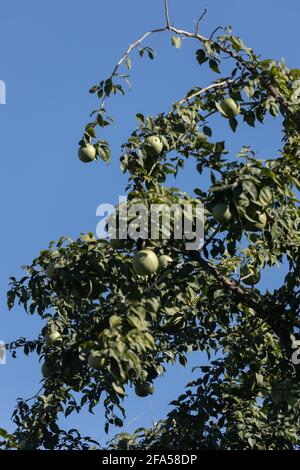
[145, 262]
[261, 221]
[144, 389]
[87, 153]
[47, 370]
[53, 337]
[95, 360]
[153, 145]
[221, 213]
[164, 261]
[230, 108]
[250, 275]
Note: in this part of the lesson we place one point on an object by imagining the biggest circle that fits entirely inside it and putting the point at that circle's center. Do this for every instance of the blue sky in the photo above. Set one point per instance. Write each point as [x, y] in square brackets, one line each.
[51, 53]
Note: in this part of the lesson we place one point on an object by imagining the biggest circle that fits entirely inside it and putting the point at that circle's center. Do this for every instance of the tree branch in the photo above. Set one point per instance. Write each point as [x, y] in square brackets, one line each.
[132, 46]
[266, 313]
[204, 90]
[197, 23]
[167, 14]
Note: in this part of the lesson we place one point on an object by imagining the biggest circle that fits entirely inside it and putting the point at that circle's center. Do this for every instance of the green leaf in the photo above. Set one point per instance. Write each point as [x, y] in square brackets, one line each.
[201, 56]
[128, 63]
[213, 64]
[118, 389]
[207, 131]
[265, 196]
[233, 124]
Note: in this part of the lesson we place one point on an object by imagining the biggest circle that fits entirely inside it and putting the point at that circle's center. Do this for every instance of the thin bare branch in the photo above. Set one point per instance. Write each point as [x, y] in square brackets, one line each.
[197, 23]
[167, 14]
[204, 90]
[132, 46]
[214, 32]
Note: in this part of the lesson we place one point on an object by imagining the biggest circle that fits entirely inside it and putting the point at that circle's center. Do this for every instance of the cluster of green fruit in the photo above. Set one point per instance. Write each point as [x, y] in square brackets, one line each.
[146, 262]
[152, 145]
[69, 368]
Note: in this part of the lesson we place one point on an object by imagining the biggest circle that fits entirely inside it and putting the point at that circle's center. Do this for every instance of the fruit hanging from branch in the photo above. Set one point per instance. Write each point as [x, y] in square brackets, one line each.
[87, 153]
[153, 146]
[222, 213]
[52, 337]
[229, 108]
[164, 261]
[144, 389]
[145, 262]
[258, 221]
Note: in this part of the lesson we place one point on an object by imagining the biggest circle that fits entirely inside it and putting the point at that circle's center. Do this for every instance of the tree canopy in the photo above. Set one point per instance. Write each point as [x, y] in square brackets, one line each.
[106, 327]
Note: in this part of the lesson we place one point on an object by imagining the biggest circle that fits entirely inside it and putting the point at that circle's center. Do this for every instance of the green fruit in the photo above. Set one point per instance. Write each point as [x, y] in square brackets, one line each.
[221, 213]
[87, 153]
[153, 145]
[250, 275]
[164, 261]
[145, 262]
[95, 360]
[261, 221]
[144, 389]
[47, 370]
[230, 108]
[53, 337]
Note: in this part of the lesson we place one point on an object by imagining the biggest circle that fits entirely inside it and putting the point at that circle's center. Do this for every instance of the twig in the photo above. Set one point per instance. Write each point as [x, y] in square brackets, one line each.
[127, 53]
[265, 313]
[211, 238]
[197, 23]
[167, 14]
[204, 90]
[214, 32]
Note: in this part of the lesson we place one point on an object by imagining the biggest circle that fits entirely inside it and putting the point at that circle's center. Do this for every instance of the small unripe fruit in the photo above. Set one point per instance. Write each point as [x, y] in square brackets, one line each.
[221, 213]
[164, 261]
[261, 221]
[144, 389]
[47, 370]
[153, 145]
[53, 337]
[145, 262]
[230, 108]
[87, 153]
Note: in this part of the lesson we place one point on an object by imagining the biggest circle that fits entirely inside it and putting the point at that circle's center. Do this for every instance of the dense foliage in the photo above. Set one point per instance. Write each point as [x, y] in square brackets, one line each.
[106, 327]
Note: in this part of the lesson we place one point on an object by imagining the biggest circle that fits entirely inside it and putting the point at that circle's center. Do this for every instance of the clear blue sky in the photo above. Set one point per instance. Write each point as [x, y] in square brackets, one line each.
[51, 53]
